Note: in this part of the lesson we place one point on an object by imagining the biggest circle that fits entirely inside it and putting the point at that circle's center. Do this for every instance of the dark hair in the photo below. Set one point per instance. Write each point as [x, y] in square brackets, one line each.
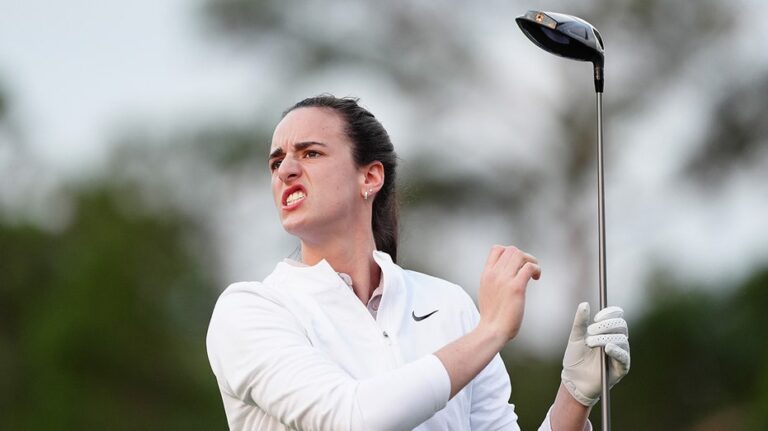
[370, 143]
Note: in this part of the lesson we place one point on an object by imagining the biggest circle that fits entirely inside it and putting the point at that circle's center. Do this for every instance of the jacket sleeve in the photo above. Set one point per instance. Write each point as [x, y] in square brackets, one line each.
[490, 408]
[261, 355]
[491, 389]
[546, 426]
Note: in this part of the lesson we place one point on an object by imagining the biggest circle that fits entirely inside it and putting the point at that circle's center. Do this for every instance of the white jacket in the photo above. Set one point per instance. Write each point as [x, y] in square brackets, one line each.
[300, 351]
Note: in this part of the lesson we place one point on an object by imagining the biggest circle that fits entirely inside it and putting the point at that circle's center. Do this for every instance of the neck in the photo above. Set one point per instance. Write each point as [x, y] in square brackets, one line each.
[352, 255]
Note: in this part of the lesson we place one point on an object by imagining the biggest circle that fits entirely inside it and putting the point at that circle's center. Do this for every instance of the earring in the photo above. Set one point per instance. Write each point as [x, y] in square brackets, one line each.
[365, 195]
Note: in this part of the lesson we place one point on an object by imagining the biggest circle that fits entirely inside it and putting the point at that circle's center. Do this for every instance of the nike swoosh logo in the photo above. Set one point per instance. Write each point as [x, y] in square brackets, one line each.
[420, 318]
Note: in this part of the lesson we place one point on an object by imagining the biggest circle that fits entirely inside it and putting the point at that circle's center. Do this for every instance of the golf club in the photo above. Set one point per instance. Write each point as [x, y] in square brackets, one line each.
[574, 38]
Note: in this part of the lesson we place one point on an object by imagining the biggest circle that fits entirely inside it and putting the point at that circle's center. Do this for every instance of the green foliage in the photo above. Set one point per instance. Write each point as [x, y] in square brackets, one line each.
[698, 362]
[103, 323]
[534, 384]
[696, 355]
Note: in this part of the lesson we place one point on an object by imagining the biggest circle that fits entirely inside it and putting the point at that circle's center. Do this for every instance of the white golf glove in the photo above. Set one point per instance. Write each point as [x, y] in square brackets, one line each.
[581, 363]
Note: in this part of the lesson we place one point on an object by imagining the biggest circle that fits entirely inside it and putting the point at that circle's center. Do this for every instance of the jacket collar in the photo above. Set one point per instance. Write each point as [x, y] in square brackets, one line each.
[322, 276]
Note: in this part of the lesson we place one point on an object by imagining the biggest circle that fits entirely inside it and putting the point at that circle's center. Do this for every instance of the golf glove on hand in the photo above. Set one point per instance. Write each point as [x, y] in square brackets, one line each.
[581, 363]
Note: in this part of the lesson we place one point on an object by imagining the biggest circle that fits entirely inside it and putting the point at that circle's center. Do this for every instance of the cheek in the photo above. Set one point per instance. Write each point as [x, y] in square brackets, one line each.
[346, 188]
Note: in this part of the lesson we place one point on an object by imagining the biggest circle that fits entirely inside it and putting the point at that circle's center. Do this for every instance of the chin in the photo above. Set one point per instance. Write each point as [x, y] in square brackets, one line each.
[296, 226]
[307, 230]
[290, 226]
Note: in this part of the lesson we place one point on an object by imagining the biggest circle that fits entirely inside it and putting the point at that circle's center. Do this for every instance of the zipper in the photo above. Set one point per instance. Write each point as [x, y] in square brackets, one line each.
[359, 304]
[386, 337]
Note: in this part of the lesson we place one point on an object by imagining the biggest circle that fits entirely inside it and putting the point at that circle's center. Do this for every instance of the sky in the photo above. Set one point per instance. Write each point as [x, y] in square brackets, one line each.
[79, 72]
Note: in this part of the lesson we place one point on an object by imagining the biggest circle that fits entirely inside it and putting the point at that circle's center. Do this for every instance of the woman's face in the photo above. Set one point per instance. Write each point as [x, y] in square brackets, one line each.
[316, 186]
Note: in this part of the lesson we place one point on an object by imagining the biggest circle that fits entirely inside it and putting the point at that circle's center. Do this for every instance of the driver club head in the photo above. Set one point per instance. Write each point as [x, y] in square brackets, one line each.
[566, 36]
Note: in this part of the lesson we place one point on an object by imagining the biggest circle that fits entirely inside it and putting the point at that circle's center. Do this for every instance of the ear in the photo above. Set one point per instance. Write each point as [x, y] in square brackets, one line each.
[372, 177]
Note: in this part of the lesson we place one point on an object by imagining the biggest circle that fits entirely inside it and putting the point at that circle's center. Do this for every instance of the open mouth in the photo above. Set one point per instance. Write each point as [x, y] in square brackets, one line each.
[293, 195]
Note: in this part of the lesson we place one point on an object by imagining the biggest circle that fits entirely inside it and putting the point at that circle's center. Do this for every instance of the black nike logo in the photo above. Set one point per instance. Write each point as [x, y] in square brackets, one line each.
[420, 318]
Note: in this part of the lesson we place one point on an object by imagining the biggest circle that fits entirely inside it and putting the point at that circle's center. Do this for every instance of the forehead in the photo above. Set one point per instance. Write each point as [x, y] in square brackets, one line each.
[309, 125]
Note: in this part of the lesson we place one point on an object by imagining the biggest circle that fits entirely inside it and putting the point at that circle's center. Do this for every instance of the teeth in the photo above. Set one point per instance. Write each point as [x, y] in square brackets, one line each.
[294, 197]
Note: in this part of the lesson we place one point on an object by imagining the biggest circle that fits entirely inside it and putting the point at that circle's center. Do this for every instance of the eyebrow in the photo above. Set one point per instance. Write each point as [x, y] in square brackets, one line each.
[296, 147]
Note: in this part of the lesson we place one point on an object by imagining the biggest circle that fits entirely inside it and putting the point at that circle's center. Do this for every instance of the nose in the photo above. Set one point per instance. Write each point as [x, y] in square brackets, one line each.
[288, 170]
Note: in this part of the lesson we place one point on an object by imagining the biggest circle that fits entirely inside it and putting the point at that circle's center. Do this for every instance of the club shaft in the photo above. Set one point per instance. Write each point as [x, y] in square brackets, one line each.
[606, 402]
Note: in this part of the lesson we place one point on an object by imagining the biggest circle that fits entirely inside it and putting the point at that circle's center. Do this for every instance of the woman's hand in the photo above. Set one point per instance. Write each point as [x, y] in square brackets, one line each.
[581, 363]
[502, 290]
[501, 300]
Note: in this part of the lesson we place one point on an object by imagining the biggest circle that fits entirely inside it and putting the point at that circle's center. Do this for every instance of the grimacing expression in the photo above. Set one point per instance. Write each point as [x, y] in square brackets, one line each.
[315, 182]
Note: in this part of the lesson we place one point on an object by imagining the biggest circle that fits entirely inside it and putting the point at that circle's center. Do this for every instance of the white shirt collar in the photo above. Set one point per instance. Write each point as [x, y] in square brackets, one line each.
[382, 259]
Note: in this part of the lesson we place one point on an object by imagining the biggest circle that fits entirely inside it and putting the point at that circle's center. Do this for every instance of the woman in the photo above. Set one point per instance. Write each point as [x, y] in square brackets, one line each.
[348, 340]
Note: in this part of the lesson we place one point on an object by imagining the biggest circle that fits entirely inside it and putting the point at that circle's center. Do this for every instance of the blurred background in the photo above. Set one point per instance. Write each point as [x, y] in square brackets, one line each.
[134, 189]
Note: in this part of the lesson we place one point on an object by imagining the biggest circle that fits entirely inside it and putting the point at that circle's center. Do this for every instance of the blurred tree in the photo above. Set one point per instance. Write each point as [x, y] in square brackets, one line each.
[698, 363]
[739, 138]
[103, 323]
[698, 359]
